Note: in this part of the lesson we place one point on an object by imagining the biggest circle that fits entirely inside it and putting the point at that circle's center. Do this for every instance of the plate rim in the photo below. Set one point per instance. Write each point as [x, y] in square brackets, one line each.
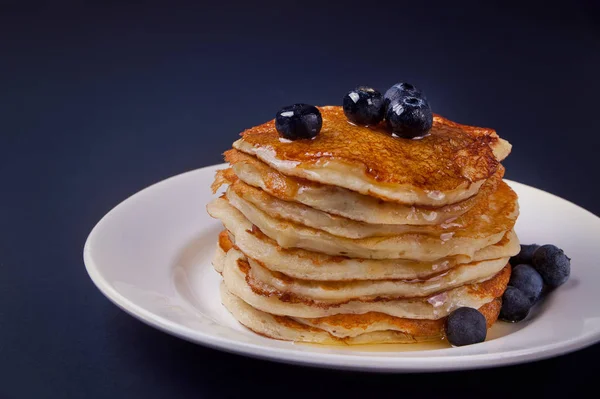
[372, 362]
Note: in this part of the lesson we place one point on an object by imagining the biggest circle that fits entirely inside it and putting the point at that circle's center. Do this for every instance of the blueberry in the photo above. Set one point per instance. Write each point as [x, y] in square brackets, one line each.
[409, 117]
[298, 121]
[363, 106]
[401, 89]
[525, 256]
[466, 326]
[515, 305]
[528, 281]
[552, 264]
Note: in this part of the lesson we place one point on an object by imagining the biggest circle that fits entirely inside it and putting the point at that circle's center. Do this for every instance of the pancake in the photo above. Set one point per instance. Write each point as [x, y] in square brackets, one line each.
[371, 328]
[484, 225]
[372, 289]
[345, 325]
[302, 264]
[335, 200]
[237, 278]
[445, 167]
[333, 224]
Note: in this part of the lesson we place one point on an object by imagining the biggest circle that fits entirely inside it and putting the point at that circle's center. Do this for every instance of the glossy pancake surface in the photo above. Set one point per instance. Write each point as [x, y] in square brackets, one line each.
[336, 200]
[444, 167]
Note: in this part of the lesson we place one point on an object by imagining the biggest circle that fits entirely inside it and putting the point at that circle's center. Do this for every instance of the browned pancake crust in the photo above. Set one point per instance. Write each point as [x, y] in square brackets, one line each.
[224, 241]
[450, 156]
[500, 207]
[223, 176]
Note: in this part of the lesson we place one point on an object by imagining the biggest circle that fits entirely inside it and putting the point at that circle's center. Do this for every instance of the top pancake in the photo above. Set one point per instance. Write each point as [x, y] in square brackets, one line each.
[445, 167]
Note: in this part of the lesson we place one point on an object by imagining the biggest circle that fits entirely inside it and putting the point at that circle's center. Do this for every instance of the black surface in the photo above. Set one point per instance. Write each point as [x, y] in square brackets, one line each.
[97, 102]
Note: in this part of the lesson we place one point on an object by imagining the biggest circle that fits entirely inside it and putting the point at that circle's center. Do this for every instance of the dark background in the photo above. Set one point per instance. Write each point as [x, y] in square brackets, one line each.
[98, 101]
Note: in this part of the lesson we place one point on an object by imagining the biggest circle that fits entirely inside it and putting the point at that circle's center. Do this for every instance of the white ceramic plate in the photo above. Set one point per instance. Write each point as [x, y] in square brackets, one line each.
[151, 256]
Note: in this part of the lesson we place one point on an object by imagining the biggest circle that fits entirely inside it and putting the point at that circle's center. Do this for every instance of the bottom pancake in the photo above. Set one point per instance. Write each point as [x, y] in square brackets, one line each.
[369, 328]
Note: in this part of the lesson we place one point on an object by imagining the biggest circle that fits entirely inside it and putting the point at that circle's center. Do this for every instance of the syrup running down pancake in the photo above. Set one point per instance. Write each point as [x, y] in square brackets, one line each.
[339, 201]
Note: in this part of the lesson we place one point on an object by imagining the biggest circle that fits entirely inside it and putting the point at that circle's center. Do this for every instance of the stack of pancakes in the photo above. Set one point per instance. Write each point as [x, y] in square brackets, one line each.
[357, 236]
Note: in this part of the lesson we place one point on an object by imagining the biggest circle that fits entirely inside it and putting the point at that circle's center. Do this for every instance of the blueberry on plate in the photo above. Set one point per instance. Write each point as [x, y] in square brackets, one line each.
[409, 117]
[515, 305]
[363, 106]
[528, 281]
[401, 89]
[552, 264]
[298, 121]
[466, 326]
[525, 256]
